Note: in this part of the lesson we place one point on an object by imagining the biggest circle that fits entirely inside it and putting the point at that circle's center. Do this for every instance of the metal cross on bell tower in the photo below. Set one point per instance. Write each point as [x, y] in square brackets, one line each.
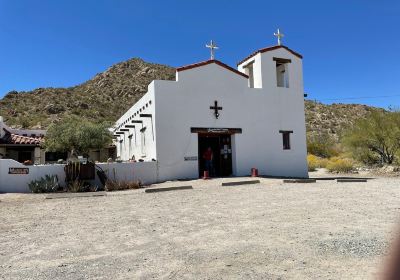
[212, 47]
[279, 35]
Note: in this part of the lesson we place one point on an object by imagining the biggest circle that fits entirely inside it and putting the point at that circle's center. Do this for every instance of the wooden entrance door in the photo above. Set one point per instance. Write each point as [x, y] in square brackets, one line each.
[221, 147]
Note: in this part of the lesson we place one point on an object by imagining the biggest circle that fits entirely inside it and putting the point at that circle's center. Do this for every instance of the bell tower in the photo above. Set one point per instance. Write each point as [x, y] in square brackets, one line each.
[275, 68]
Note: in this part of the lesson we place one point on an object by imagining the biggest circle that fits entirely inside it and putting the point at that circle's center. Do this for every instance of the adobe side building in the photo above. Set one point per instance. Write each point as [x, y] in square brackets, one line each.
[252, 116]
[27, 145]
[21, 144]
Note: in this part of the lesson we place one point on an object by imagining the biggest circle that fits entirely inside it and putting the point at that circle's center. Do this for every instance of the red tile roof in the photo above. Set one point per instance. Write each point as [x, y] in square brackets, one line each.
[191, 66]
[15, 139]
[270, 49]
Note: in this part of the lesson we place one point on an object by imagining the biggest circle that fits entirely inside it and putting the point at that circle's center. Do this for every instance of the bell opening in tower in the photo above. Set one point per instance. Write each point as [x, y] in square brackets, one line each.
[282, 78]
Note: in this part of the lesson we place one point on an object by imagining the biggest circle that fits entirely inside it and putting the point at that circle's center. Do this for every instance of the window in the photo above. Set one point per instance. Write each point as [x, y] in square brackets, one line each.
[54, 156]
[248, 69]
[24, 156]
[143, 142]
[282, 73]
[130, 144]
[286, 138]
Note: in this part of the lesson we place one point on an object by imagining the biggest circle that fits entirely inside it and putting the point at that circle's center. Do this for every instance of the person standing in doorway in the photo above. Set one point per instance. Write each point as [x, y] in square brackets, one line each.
[208, 160]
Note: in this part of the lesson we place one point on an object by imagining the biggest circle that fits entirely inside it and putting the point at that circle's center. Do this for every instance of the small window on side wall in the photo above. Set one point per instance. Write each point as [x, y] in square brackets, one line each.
[286, 139]
[282, 73]
[143, 141]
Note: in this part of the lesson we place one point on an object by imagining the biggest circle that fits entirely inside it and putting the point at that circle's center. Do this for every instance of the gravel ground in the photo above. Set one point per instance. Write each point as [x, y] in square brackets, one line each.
[325, 230]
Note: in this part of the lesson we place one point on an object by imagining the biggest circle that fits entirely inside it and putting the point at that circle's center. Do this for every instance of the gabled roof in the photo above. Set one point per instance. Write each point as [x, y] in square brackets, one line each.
[191, 66]
[270, 49]
[16, 139]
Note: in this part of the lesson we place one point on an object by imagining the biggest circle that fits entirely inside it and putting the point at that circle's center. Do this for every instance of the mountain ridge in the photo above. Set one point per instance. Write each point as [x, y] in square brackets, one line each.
[108, 95]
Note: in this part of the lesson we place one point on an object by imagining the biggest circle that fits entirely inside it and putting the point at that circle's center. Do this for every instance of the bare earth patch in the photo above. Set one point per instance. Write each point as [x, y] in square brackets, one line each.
[270, 230]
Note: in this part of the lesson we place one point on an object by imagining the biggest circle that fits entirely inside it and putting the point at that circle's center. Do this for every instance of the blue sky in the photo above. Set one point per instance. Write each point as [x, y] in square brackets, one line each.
[350, 48]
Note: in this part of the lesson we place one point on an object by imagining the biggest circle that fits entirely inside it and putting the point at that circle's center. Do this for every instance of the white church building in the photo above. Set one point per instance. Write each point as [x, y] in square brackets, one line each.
[250, 117]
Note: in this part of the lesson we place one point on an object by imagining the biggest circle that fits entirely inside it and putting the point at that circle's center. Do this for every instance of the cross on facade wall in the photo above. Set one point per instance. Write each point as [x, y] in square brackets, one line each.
[216, 108]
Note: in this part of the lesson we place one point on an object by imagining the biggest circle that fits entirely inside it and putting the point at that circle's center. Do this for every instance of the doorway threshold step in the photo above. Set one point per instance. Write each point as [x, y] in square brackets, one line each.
[238, 183]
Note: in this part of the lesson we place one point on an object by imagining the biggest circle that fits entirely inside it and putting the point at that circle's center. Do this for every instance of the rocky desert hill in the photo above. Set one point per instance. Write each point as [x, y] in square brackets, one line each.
[110, 93]
[103, 98]
[333, 119]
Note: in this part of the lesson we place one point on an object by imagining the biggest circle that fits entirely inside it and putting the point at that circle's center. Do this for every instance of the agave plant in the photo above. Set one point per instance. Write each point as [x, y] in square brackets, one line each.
[46, 184]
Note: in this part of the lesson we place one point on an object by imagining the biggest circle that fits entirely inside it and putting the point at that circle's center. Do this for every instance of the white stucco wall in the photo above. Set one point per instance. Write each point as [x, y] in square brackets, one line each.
[256, 60]
[145, 172]
[133, 146]
[260, 112]
[18, 183]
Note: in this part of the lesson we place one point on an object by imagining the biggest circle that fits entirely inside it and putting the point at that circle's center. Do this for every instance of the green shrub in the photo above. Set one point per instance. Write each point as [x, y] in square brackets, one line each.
[375, 139]
[46, 184]
[340, 165]
[322, 145]
[114, 185]
[77, 136]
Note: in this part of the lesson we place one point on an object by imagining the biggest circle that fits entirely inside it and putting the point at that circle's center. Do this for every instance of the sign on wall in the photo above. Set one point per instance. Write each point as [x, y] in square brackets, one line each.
[215, 130]
[193, 158]
[18, 170]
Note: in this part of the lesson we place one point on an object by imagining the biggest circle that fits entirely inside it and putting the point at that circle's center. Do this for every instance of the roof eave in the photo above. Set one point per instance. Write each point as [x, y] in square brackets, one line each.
[20, 145]
[263, 50]
[203, 63]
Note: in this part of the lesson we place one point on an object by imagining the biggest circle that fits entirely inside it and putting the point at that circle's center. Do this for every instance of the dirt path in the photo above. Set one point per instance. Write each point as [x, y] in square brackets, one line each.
[270, 230]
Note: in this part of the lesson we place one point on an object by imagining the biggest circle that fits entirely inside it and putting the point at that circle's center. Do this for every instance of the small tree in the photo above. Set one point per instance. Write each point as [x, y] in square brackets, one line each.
[77, 136]
[375, 138]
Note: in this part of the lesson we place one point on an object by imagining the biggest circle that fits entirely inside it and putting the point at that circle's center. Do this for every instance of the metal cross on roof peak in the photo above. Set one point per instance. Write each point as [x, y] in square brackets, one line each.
[279, 35]
[212, 46]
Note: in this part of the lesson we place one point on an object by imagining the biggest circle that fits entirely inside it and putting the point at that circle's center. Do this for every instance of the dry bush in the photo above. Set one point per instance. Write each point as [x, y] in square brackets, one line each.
[114, 185]
[80, 186]
[315, 162]
[75, 186]
[312, 162]
[340, 165]
[322, 162]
